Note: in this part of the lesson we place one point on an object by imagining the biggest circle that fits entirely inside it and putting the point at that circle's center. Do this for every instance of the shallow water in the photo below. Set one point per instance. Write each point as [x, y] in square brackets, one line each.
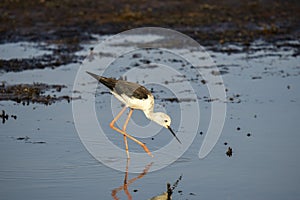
[53, 164]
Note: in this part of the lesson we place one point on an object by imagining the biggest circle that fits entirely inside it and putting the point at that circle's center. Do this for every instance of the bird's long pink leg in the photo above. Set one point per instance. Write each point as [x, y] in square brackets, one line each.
[124, 129]
[124, 132]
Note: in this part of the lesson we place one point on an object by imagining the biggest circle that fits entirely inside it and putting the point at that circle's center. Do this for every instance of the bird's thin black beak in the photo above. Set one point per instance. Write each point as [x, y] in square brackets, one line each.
[174, 134]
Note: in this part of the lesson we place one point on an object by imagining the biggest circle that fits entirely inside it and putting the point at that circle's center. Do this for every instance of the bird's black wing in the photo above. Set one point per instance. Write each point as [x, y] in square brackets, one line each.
[131, 89]
[123, 87]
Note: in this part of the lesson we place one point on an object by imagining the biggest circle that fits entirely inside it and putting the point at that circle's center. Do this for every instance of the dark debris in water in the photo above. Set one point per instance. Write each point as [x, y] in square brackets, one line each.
[23, 138]
[39, 142]
[27, 139]
[4, 116]
[207, 99]
[176, 183]
[229, 152]
[176, 100]
[32, 93]
[235, 98]
[256, 77]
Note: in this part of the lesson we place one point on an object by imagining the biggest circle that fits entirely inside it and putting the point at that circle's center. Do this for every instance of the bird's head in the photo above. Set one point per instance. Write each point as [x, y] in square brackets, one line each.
[165, 121]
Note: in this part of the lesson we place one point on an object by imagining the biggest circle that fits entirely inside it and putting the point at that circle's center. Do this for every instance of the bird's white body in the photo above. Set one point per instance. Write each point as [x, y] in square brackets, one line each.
[145, 105]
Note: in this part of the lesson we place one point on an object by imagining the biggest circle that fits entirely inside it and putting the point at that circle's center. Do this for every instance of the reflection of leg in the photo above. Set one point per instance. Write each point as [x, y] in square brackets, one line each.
[141, 174]
[124, 186]
[124, 129]
[128, 182]
[126, 178]
[127, 135]
[126, 172]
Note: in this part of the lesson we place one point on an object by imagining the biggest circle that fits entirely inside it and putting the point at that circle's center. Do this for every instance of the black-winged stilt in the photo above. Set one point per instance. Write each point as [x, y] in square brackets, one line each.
[134, 96]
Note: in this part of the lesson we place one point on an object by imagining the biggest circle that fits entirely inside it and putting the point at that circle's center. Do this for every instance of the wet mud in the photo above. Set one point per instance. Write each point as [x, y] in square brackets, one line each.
[46, 61]
[32, 93]
[72, 22]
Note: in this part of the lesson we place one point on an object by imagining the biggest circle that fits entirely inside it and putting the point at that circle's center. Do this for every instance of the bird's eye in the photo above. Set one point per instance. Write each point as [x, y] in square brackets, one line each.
[166, 120]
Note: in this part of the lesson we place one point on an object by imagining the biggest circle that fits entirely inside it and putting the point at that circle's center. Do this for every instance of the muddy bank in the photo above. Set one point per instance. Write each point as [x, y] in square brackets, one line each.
[68, 24]
[214, 22]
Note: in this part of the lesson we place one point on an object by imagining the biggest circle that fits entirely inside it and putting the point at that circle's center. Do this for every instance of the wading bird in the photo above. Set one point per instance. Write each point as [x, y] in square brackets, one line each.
[134, 96]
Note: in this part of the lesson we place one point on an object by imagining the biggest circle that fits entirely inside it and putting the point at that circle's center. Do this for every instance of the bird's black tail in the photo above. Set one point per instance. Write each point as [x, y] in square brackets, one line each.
[108, 82]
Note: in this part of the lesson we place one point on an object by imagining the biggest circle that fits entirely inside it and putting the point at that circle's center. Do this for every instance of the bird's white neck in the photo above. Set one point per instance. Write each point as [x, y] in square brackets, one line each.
[149, 113]
[157, 117]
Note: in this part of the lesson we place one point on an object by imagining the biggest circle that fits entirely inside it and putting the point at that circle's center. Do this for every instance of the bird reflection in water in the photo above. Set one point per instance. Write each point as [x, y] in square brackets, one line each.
[128, 182]
[164, 196]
